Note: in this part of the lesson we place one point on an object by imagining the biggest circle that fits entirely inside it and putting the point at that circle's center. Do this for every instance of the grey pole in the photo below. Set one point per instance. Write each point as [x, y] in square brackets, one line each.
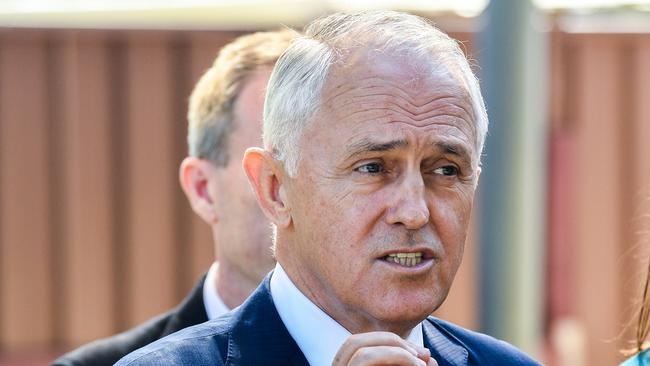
[512, 52]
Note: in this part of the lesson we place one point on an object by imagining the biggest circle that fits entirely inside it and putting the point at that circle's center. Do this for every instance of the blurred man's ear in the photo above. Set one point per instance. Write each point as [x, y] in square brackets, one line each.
[265, 175]
[195, 175]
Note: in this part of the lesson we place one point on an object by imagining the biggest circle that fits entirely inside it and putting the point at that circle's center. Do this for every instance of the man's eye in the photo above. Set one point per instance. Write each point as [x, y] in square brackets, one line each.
[447, 170]
[371, 168]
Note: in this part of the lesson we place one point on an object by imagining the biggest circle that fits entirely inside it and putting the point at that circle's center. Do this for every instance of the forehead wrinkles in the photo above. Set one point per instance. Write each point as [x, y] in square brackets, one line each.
[383, 100]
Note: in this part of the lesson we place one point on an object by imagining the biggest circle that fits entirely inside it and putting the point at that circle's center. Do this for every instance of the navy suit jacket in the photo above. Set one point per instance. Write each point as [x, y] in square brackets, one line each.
[253, 334]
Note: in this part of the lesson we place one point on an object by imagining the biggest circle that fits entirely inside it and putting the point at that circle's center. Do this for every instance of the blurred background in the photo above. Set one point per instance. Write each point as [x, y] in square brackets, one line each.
[96, 235]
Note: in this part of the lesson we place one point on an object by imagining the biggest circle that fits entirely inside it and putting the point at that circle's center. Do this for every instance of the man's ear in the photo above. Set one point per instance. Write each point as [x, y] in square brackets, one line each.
[265, 175]
[195, 175]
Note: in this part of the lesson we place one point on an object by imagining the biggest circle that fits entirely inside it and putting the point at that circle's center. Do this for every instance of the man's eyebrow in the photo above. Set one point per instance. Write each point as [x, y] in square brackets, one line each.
[452, 148]
[365, 145]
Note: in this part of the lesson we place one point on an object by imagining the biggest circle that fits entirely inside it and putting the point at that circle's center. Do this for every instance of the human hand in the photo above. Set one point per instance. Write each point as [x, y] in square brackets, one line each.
[381, 348]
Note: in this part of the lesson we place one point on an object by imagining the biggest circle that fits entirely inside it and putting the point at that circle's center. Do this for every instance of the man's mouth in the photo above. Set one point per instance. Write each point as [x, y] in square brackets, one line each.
[405, 259]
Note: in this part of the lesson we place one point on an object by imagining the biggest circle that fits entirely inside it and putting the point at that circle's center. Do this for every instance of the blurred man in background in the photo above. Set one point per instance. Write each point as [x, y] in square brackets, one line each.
[225, 116]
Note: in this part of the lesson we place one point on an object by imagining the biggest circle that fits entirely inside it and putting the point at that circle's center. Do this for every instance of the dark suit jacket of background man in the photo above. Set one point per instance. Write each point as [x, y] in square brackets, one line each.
[109, 350]
[254, 334]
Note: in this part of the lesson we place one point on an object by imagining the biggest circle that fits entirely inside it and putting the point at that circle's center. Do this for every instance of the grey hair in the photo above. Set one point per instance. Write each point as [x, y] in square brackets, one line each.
[299, 77]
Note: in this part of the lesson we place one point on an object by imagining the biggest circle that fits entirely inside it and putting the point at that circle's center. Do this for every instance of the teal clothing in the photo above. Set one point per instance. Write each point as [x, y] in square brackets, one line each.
[640, 359]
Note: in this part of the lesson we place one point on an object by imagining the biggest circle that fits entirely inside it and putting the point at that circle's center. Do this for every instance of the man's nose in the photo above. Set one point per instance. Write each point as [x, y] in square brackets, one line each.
[409, 206]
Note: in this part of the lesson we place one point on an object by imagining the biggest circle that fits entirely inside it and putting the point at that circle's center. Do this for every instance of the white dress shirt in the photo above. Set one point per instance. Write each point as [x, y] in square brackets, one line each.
[214, 306]
[316, 333]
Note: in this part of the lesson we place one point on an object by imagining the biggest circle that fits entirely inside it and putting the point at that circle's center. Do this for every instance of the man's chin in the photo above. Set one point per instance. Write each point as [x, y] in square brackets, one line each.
[403, 319]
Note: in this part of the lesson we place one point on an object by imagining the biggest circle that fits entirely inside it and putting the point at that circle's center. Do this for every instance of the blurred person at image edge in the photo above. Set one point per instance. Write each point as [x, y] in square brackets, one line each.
[642, 356]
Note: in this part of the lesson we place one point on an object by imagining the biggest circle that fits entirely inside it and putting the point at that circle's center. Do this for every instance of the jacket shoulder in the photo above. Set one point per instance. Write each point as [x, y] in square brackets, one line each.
[483, 349]
[203, 344]
[109, 350]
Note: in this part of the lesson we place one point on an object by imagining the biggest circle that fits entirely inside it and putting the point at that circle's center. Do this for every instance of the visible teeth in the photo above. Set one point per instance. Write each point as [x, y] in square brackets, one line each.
[405, 259]
[406, 255]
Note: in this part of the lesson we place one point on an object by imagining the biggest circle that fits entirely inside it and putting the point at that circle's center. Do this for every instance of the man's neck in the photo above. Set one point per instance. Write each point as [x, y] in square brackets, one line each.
[301, 317]
[353, 321]
[232, 286]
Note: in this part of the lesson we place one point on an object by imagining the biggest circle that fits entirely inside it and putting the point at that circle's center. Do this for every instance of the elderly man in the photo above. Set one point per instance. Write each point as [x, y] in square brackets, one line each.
[373, 130]
[225, 116]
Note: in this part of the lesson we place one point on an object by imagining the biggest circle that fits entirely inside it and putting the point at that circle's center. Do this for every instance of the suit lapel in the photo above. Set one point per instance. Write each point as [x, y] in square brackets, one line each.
[443, 349]
[260, 337]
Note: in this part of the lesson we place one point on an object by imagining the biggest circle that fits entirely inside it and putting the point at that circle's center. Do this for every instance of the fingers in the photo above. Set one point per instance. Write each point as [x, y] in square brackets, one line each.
[358, 341]
[384, 355]
[381, 348]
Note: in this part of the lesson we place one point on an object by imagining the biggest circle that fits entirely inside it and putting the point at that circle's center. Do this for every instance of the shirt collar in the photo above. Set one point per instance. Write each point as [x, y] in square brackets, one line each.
[302, 317]
[214, 305]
